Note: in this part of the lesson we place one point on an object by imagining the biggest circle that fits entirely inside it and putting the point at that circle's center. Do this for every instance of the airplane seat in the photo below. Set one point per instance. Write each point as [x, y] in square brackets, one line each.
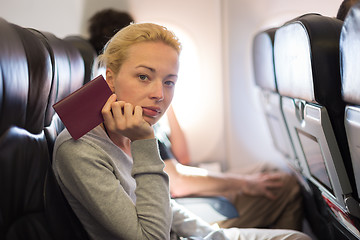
[68, 69]
[77, 66]
[69, 74]
[265, 80]
[306, 54]
[23, 146]
[350, 79]
[87, 52]
[22, 201]
[26, 85]
[271, 100]
[52, 123]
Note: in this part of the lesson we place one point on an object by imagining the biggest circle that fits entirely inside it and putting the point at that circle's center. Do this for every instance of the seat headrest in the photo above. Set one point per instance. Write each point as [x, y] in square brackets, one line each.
[306, 52]
[263, 59]
[40, 78]
[37, 70]
[350, 56]
[62, 77]
[77, 66]
[14, 79]
[49, 111]
[87, 52]
[68, 70]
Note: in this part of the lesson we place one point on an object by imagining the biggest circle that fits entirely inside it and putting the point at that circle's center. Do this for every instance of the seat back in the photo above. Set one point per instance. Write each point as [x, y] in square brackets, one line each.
[265, 79]
[68, 75]
[21, 136]
[306, 52]
[350, 76]
[87, 52]
[32, 205]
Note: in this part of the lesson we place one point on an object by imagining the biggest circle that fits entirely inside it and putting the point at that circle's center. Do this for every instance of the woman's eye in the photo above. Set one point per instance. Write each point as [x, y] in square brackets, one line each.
[170, 83]
[143, 77]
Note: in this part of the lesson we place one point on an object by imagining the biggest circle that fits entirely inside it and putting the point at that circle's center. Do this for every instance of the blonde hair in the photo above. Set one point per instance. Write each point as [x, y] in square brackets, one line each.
[116, 50]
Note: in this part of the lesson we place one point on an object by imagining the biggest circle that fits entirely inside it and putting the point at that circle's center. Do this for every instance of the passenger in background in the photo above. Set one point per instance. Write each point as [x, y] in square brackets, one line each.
[104, 24]
[113, 176]
[269, 198]
[174, 137]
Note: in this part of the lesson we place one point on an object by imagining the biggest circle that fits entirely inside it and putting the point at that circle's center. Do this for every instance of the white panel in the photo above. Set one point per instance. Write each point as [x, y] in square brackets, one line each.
[61, 18]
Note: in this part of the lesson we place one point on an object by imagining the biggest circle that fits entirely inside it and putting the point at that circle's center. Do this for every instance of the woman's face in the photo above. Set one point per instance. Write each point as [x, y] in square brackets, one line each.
[147, 78]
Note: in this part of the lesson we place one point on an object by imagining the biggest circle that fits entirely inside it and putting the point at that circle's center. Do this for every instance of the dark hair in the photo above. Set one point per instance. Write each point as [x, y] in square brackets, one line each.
[105, 24]
[344, 8]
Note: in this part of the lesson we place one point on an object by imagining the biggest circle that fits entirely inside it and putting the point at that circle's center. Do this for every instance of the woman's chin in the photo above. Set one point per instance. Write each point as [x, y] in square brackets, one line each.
[151, 120]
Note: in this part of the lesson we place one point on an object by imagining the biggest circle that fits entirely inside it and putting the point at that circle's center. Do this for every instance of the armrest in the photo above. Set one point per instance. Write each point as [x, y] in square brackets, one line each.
[210, 209]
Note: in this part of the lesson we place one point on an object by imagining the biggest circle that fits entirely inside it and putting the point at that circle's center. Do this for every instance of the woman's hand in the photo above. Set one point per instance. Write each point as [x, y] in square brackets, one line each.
[125, 119]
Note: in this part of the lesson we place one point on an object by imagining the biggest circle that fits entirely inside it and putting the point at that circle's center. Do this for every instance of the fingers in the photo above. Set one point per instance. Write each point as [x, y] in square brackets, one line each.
[125, 119]
[138, 112]
[122, 115]
[106, 110]
[116, 112]
[273, 180]
[272, 184]
[128, 110]
[107, 105]
[265, 184]
[132, 115]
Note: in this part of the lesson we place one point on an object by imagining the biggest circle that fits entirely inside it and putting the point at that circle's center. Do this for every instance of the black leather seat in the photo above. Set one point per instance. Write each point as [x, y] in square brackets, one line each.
[306, 53]
[31, 80]
[350, 76]
[87, 52]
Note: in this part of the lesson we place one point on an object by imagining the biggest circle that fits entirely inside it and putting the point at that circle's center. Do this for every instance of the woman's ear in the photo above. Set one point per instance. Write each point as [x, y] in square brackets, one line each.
[110, 79]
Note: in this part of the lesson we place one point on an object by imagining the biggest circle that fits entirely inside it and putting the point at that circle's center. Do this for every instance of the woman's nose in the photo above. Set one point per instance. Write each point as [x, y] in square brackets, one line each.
[157, 91]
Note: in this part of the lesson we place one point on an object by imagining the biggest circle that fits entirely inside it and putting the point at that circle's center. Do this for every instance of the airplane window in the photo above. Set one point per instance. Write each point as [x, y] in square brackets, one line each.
[189, 83]
[188, 87]
[199, 91]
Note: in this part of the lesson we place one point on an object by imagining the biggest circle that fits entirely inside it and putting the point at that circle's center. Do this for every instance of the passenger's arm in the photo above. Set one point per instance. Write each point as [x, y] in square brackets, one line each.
[177, 138]
[188, 181]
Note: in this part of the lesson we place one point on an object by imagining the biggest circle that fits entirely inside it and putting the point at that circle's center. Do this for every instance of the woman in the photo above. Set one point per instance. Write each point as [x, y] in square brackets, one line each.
[113, 176]
[115, 184]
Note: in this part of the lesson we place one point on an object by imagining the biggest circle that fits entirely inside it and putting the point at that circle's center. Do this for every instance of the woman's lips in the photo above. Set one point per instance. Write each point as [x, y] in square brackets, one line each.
[151, 111]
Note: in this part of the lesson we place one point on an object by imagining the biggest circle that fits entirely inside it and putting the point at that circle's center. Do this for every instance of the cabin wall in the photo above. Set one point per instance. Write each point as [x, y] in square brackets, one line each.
[59, 17]
[216, 103]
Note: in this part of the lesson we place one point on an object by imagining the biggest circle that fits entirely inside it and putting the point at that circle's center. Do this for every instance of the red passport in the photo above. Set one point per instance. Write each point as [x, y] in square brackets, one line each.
[81, 110]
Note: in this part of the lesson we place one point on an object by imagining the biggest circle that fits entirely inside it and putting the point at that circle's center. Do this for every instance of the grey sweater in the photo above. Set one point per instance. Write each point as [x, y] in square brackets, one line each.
[119, 197]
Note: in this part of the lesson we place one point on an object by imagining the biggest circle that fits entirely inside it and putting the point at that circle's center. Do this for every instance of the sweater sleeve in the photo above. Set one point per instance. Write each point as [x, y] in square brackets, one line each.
[87, 176]
[152, 188]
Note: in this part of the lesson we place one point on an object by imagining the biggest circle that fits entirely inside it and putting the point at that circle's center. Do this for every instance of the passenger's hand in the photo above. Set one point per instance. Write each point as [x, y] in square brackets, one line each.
[263, 184]
[125, 119]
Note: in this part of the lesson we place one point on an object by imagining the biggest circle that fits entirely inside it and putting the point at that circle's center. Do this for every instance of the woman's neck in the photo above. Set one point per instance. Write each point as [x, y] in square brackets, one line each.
[119, 140]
